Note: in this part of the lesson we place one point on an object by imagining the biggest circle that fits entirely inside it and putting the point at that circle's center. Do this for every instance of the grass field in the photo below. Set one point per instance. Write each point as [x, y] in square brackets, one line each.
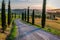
[51, 23]
[52, 26]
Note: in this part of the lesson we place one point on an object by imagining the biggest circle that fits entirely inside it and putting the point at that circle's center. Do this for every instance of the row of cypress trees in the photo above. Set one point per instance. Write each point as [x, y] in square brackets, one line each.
[33, 13]
[14, 15]
[25, 16]
[3, 15]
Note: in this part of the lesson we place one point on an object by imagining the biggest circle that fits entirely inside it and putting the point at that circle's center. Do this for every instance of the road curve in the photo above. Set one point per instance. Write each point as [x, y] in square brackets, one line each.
[29, 32]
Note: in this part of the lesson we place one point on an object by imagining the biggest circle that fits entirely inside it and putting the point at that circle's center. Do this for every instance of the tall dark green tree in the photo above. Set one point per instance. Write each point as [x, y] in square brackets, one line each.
[3, 16]
[33, 17]
[9, 13]
[12, 15]
[25, 14]
[43, 14]
[28, 15]
[22, 16]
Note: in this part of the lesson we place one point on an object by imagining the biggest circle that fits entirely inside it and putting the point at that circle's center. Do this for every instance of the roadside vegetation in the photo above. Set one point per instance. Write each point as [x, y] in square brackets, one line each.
[13, 32]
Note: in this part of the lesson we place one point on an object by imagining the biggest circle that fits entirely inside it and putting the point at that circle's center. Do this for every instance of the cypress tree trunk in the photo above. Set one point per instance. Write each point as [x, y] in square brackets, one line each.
[28, 15]
[3, 16]
[25, 14]
[9, 13]
[43, 14]
[33, 18]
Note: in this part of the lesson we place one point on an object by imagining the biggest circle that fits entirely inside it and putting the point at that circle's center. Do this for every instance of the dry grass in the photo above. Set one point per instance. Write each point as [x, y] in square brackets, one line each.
[3, 36]
[51, 23]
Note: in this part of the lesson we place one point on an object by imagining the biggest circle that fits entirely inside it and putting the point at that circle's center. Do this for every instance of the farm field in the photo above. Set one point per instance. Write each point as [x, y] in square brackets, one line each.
[51, 23]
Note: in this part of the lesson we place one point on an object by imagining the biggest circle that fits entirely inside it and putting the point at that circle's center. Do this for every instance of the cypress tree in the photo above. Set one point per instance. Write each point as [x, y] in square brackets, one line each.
[25, 14]
[28, 15]
[3, 16]
[9, 13]
[33, 18]
[43, 14]
[12, 15]
[22, 16]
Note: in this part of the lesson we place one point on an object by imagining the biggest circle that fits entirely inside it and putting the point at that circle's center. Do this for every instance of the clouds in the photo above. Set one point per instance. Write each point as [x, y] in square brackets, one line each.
[25, 6]
[32, 3]
[36, 6]
[25, 3]
[54, 3]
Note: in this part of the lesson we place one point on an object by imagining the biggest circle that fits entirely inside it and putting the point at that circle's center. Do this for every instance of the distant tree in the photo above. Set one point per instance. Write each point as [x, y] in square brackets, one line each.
[22, 16]
[37, 16]
[43, 14]
[33, 17]
[15, 15]
[3, 16]
[28, 14]
[19, 15]
[9, 13]
[25, 14]
[54, 17]
[12, 15]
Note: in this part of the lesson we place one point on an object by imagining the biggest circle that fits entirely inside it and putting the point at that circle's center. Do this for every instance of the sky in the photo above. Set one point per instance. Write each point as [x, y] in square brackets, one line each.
[34, 4]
